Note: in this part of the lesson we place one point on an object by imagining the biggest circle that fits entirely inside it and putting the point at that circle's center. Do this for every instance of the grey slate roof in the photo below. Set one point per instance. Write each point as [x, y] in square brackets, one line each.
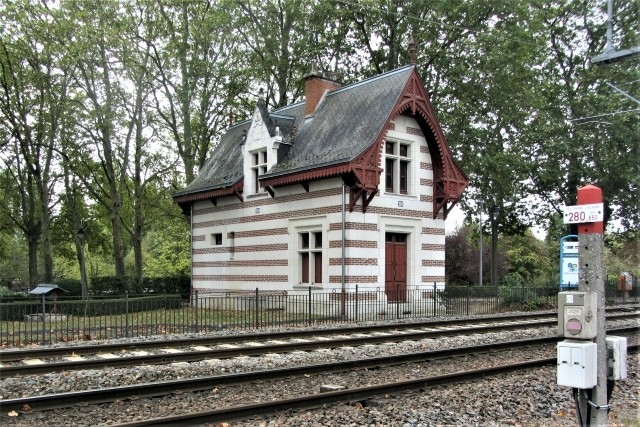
[345, 124]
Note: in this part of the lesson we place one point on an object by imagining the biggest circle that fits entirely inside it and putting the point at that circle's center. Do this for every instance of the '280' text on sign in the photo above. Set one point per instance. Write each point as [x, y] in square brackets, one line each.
[583, 213]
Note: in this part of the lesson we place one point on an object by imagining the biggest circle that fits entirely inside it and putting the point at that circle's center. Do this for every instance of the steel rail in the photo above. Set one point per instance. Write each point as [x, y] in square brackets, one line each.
[349, 395]
[198, 355]
[62, 400]
[15, 355]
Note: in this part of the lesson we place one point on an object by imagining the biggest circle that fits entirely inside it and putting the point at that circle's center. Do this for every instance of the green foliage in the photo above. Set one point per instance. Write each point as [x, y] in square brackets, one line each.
[528, 260]
[6, 292]
[114, 306]
[168, 250]
[111, 285]
[72, 287]
[528, 298]
[462, 257]
[119, 103]
[622, 253]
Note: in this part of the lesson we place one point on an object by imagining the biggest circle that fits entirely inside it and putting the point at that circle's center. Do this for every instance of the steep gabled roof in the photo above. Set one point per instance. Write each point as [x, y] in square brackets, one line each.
[222, 170]
[342, 137]
[345, 124]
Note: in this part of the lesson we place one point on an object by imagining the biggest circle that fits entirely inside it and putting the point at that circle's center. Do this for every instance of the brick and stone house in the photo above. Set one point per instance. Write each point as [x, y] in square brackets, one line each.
[350, 187]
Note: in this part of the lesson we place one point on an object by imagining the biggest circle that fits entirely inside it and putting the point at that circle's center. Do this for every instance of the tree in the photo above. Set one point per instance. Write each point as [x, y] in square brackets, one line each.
[34, 86]
[199, 76]
[582, 136]
[102, 53]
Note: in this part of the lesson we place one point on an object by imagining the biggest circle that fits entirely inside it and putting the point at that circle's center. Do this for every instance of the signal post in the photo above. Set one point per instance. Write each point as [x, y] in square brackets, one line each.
[583, 357]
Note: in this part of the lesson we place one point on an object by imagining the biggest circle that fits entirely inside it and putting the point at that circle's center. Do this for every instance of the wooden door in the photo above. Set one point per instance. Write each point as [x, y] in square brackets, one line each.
[396, 267]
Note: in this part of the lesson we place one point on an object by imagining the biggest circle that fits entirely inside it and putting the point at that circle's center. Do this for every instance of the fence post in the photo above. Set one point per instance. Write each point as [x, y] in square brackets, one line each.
[197, 320]
[468, 296]
[397, 300]
[356, 306]
[2, 321]
[126, 313]
[309, 306]
[257, 308]
[435, 295]
[44, 328]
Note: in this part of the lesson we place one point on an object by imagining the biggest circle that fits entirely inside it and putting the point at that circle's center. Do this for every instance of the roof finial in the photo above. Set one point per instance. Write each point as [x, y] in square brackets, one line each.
[261, 93]
[412, 50]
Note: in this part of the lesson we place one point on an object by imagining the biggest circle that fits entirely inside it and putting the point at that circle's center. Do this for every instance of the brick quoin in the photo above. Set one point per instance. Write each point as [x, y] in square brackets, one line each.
[263, 248]
[424, 149]
[434, 231]
[241, 278]
[414, 131]
[260, 233]
[354, 279]
[241, 263]
[433, 263]
[269, 217]
[426, 166]
[371, 244]
[426, 198]
[431, 279]
[216, 250]
[269, 201]
[354, 261]
[336, 226]
[432, 247]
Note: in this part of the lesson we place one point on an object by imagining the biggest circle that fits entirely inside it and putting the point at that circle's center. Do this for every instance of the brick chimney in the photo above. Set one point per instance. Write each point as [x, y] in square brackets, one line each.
[316, 84]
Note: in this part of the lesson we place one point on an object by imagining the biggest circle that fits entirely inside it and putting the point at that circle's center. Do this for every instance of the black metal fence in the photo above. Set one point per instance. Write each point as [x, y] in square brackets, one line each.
[70, 319]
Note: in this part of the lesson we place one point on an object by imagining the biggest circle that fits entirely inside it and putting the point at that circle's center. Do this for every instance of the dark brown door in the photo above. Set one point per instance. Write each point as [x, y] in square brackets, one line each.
[396, 267]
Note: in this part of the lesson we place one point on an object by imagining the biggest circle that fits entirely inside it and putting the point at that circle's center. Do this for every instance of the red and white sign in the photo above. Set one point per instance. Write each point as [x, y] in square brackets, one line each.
[583, 213]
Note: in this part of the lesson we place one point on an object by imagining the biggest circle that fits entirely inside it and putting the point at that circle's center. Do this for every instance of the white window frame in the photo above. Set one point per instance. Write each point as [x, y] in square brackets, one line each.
[312, 250]
[314, 224]
[259, 162]
[397, 160]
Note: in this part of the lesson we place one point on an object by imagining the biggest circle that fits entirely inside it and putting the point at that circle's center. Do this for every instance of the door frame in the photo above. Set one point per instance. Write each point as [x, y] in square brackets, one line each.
[397, 247]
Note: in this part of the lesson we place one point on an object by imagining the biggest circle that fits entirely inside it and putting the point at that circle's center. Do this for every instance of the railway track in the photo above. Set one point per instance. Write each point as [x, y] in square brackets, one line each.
[360, 395]
[26, 362]
[161, 388]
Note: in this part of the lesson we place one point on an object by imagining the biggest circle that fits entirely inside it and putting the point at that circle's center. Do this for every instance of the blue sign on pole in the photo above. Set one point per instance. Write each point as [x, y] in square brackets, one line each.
[569, 252]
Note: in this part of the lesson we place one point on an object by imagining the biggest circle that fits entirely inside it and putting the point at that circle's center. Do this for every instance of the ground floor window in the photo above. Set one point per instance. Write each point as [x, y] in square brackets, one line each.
[310, 257]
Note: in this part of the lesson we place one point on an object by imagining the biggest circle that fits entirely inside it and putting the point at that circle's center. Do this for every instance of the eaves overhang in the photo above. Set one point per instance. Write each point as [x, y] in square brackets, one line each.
[294, 176]
[211, 194]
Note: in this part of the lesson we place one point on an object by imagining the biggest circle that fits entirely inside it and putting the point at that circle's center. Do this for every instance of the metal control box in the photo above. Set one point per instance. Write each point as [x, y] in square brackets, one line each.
[616, 358]
[577, 362]
[577, 315]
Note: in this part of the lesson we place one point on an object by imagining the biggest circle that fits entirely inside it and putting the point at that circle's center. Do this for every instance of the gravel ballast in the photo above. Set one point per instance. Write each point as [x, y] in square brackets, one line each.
[531, 398]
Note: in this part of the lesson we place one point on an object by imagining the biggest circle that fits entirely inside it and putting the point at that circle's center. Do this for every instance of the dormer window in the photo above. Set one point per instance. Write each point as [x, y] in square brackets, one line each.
[258, 168]
[397, 172]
